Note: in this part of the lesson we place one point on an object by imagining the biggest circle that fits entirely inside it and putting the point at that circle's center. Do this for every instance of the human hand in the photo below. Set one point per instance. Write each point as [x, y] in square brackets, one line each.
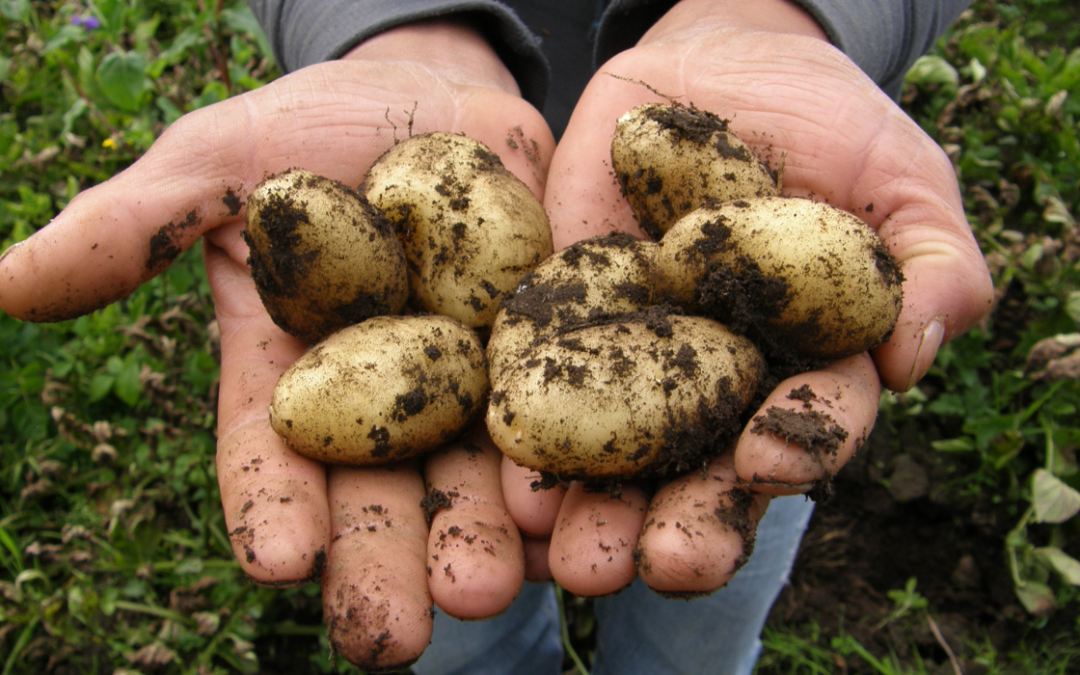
[766, 66]
[290, 520]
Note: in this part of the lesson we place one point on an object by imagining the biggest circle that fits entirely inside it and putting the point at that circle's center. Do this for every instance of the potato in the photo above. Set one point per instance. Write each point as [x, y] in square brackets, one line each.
[471, 230]
[321, 257]
[589, 281]
[803, 273]
[672, 159]
[646, 395]
[386, 389]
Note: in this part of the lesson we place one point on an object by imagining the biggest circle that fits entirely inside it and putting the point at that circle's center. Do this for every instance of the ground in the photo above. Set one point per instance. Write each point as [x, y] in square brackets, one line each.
[888, 522]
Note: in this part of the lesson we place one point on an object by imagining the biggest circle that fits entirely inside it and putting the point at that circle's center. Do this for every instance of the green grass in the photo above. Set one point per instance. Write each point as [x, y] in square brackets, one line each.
[113, 553]
[808, 652]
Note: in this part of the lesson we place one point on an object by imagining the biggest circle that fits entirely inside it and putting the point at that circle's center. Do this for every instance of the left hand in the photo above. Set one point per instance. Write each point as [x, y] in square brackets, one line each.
[768, 67]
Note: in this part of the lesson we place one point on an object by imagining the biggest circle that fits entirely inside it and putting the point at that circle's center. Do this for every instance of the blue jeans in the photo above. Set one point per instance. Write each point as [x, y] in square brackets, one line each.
[638, 631]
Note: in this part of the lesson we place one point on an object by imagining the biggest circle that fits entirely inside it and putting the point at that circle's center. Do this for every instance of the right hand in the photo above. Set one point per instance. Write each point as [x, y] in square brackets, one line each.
[289, 518]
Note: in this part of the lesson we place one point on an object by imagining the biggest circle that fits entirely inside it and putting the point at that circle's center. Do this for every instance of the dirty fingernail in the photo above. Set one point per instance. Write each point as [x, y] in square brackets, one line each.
[932, 337]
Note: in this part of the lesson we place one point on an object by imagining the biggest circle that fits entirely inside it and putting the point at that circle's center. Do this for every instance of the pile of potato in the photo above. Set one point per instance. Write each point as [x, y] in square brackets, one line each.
[621, 357]
[439, 229]
[616, 357]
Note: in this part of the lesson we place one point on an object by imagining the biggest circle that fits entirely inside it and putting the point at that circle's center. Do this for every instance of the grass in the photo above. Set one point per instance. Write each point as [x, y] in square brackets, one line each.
[808, 652]
[113, 553]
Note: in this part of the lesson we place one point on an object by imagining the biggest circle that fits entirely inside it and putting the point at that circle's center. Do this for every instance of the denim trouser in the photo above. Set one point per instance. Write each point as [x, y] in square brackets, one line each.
[638, 631]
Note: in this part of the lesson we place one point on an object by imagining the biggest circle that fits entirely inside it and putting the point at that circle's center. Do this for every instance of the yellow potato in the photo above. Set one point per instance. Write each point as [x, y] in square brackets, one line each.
[321, 257]
[587, 282]
[386, 389]
[672, 159]
[471, 229]
[656, 394]
[798, 272]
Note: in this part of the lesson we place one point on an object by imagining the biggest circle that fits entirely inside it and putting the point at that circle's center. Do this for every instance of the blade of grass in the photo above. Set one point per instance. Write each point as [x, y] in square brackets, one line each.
[944, 645]
[801, 653]
[565, 628]
[15, 567]
[20, 644]
[855, 647]
[154, 611]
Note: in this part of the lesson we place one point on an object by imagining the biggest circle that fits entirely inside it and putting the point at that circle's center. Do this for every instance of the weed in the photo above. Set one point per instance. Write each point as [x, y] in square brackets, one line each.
[1002, 95]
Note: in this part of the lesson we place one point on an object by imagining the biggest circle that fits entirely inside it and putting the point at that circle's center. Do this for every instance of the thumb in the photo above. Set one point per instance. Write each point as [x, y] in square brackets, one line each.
[113, 237]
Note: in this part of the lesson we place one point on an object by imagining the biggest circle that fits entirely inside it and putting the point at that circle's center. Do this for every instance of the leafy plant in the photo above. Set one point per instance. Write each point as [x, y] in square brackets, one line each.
[1002, 95]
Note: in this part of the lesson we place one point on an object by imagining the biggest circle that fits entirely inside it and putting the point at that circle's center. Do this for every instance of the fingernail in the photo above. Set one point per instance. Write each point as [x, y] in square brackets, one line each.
[11, 248]
[932, 337]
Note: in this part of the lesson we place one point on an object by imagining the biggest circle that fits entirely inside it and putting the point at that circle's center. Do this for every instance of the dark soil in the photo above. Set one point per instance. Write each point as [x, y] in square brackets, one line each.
[167, 242]
[869, 539]
[284, 259]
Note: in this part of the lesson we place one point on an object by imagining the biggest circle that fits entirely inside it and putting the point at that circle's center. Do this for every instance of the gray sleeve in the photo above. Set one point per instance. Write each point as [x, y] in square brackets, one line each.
[882, 37]
[885, 37]
[305, 32]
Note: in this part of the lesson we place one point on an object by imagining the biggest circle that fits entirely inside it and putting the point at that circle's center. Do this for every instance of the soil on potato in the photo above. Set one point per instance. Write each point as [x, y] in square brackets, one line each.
[687, 445]
[689, 124]
[281, 270]
[684, 124]
[536, 301]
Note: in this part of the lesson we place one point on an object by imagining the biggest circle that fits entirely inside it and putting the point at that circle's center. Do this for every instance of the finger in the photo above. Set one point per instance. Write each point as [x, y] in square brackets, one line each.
[475, 557]
[841, 139]
[592, 547]
[699, 531]
[334, 120]
[375, 588]
[533, 505]
[274, 500]
[809, 427]
[534, 508]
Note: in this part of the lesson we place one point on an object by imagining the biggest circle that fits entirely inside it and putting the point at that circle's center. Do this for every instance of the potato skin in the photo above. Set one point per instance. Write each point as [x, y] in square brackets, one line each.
[321, 257]
[386, 389]
[590, 281]
[672, 159]
[629, 398]
[804, 273]
[470, 228]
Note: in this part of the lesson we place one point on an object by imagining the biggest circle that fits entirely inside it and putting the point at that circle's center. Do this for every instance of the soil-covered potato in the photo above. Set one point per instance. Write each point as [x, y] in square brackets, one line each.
[587, 282]
[471, 229]
[386, 389]
[672, 159]
[322, 258]
[651, 394]
[803, 273]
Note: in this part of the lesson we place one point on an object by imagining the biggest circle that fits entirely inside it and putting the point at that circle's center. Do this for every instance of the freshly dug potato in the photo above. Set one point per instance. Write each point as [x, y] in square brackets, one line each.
[322, 258]
[646, 395]
[471, 229]
[587, 282]
[803, 273]
[672, 159]
[386, 389]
